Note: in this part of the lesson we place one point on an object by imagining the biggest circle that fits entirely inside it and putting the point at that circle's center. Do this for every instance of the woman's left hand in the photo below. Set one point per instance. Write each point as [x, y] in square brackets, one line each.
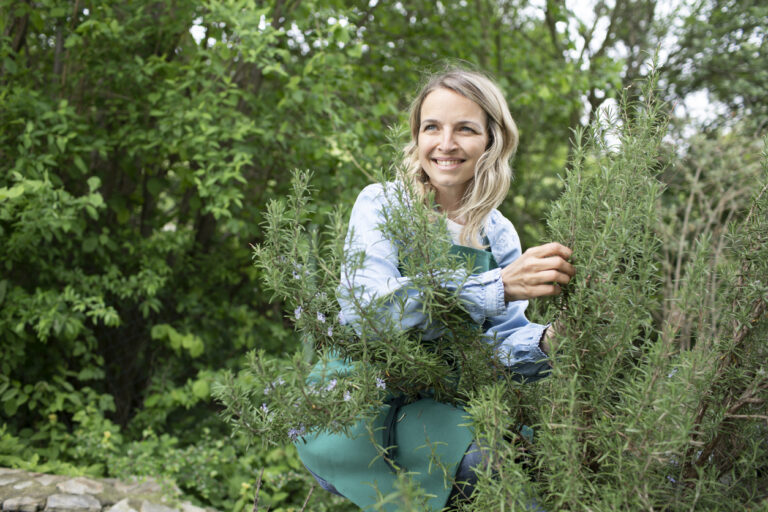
[539, 271]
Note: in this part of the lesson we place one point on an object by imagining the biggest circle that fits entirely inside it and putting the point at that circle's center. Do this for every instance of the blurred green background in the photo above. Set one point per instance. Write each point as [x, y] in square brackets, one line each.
[140, 142]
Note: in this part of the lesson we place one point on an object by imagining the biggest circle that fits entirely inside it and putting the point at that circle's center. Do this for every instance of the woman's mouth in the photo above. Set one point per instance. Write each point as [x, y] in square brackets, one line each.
[447, 164]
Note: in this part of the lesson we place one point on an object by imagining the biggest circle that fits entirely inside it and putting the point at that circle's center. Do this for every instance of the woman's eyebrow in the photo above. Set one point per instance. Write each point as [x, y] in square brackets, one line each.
[470, 122]
[464, 121]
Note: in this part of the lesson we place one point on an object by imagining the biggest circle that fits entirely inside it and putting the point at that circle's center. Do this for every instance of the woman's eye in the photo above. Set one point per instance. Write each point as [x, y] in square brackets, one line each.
[467, 129]
[429, 127]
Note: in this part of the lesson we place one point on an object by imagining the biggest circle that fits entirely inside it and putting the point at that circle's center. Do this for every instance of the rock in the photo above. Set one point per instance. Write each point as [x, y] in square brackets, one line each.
[147, 506]
[22, 491]
[23, 504]
[47, 479]
[80, 485]
[188, 507]
[72, 503]
[8, 479]
[121, 506]
[147, 486]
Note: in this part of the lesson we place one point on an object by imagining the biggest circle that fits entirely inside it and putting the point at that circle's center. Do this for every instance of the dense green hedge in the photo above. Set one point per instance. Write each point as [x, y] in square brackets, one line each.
[139, 144]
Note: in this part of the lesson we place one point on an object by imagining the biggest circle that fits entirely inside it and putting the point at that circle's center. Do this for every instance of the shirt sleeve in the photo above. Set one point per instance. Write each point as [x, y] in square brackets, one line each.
[378, 277]
[516, 338]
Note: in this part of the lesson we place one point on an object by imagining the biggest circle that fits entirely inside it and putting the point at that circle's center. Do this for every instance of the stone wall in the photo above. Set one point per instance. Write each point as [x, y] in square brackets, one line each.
[21, 491]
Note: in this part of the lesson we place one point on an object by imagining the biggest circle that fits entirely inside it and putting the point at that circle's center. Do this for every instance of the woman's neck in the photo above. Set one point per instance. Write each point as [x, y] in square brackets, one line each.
[450, 204]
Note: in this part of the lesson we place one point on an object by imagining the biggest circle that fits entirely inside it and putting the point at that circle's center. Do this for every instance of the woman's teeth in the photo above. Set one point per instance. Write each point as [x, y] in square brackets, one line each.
[447, 163]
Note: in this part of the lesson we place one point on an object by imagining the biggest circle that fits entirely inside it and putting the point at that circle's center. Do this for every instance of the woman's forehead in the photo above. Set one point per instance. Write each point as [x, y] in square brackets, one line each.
[445, 105]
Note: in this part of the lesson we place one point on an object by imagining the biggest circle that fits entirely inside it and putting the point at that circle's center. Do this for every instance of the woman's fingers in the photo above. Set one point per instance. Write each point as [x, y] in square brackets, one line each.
[538, 272]
[553, 276]
[546, 289]
[554, 263]
[550, 249]
[542, 290]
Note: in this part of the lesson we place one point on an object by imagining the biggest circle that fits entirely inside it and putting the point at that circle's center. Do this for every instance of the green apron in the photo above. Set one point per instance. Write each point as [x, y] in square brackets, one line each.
[426, 430]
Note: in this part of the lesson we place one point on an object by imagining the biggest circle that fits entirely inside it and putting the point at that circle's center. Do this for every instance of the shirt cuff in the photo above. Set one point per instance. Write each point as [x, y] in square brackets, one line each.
[525, 346]
[493, 293]
[537, 354]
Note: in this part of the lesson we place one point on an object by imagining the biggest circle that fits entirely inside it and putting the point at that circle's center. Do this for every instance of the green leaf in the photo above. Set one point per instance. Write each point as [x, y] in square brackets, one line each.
[355, 51]
[10, 407]
[155, 186]
[193, 344]
[279, 496]
[152, 400]
[90, 373]
[201, 389]
[10, 65]
[159, 331]
[90, 244]
[176, 340]
[80, 164]
[293, 83]
[11, 193]
[94, 182]
[72, 40]
[9, 394]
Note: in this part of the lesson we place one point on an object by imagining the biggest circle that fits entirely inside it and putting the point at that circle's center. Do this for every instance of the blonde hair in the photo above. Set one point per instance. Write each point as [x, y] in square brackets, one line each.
[493, 173]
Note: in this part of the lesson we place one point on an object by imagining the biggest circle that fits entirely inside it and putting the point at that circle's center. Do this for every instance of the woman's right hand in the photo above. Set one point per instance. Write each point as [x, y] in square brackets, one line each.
[539, 271]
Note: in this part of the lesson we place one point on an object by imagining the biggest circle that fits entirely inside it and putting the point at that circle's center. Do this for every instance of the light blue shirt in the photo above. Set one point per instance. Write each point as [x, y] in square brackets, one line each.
[515, 338]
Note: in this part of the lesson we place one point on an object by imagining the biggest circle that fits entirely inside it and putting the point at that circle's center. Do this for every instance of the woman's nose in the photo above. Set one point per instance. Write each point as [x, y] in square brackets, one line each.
[447, 141]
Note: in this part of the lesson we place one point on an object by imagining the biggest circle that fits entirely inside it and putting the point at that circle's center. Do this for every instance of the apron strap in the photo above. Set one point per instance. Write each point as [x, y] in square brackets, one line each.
[389, 434]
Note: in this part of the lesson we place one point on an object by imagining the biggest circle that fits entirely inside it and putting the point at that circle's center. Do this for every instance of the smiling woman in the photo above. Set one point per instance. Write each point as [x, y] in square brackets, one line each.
[452, 138]
[467, 102]
[462, 137]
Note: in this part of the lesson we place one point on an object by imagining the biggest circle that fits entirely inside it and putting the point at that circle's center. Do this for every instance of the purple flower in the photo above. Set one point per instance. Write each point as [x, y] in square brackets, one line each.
[380, 383]
[272, 385]
[295, 275]
[265, 408]
[347, 396]
[296, 433]
[330, 331]
[320, 317]
[331, 385]
[297, 312]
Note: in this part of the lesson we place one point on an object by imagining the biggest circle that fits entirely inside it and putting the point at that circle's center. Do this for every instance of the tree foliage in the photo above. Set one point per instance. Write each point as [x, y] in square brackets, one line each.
[722, 49]
[140, 143]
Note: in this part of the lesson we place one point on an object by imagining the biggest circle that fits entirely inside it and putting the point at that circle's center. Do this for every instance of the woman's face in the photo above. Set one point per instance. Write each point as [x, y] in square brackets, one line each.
[452, 137]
